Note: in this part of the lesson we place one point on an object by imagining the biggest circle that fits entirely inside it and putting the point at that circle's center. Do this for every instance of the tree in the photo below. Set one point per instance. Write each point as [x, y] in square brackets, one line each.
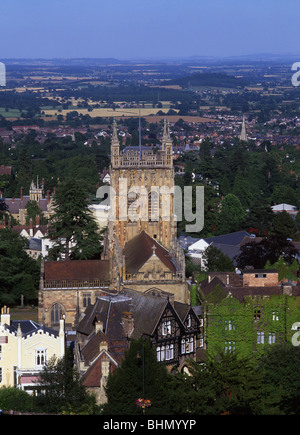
[270, 249]
[241, 189]
[61, 389]
[232, 215]
[19, 273]
[225, 384]
[284, 225]
[72, 228]
[216, 261]
[139, 374]
[16, 399]
[281, 369]
[260, 216]
[33, 211]
[285, 270]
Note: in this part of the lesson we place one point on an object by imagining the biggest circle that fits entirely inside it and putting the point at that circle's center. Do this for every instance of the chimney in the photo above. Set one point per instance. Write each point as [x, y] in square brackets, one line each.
[287, 288]
[22, 191]
[37, 220]
[103, 346]
[30, 228]
[5, 316]
[99, 326]
[128, 323]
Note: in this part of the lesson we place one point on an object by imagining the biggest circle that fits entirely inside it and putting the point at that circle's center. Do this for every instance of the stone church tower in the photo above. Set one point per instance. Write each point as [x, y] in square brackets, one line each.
[142, 233]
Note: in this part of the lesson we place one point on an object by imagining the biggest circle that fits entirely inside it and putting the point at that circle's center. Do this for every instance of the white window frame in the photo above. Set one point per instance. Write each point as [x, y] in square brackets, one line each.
[40, 357]
[166, 327]
[260, 337]
[187, 345]
[272, 338]
[229, 346]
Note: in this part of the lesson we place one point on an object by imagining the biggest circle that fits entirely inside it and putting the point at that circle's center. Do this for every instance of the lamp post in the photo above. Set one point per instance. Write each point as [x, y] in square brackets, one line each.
[142, 402]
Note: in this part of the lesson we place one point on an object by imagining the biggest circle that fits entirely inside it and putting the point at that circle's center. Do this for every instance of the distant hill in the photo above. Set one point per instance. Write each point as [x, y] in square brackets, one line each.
[216, 80]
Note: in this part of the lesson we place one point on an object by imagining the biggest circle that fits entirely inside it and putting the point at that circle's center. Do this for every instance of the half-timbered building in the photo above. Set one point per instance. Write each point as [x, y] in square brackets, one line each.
[113, 320]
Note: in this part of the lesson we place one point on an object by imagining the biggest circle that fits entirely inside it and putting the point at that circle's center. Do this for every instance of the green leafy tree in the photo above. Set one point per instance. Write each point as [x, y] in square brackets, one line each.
[216, 261]
[241, 189]
[139, 374]
[19, 273]
[225, 384]
[72, 228]
[285, 270]
[284, 225]
[281, 369]
[232, 215]
[16, 399]
[33, 211]
[61, 389]
[260, 216]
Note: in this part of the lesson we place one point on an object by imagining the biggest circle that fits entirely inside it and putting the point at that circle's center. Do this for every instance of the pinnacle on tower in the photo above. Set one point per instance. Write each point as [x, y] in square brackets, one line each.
[166, 139]
[115, 139]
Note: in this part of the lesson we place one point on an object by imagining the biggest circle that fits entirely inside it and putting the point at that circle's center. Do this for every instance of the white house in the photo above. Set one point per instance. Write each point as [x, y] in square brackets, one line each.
[196, 251]
[25, 347]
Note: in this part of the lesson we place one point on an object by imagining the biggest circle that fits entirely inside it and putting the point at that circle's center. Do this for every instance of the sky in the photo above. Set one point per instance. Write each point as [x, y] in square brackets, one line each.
[130, 29]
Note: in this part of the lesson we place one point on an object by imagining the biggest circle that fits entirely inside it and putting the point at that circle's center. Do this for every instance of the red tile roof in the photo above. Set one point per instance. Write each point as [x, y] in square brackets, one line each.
[139, 249]
[77, 270]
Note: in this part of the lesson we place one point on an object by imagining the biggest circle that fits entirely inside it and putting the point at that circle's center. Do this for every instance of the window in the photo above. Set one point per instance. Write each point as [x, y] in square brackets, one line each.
[40, 358]
[162, 354]
[56, 315]
[169, 352]
[0, 352]
[189, 321]
[256, 315]
[229, 346]
[229, 325]
[260, 337]
[166, 327]
[187, 345]
[275, 315]
[272, 338]
[86, 299]
[260, 275]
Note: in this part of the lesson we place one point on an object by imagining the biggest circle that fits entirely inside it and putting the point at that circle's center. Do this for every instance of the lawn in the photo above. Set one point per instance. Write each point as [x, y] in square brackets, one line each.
[26, 313]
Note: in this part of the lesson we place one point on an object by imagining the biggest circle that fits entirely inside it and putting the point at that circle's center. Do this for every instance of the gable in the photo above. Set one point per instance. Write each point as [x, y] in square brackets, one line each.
[154, 264]
[140, 249]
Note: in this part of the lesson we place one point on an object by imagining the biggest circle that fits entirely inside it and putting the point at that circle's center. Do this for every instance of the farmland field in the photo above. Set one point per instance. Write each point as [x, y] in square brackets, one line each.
[108, 112]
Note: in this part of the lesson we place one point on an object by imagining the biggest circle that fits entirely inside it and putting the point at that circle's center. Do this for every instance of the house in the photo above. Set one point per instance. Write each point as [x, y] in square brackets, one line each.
[17, 206]
[108, 325]
[229, 244]
[247, 312]
[290, 209]
[25, 347]
[196, 251]
[39, 243]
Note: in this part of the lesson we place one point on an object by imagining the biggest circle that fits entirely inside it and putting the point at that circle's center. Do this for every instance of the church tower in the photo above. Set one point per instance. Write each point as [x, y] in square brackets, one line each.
[143, 182]
[142, 232]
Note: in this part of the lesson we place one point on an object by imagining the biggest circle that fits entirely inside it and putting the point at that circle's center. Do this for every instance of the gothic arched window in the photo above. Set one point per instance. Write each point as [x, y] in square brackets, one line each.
[56, 314]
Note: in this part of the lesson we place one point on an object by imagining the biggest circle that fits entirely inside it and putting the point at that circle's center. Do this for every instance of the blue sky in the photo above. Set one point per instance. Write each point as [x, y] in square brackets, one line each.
[127, 29]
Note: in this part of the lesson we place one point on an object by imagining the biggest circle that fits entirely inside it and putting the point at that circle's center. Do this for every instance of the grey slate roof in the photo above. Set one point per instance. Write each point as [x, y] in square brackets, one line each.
[29, 327]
